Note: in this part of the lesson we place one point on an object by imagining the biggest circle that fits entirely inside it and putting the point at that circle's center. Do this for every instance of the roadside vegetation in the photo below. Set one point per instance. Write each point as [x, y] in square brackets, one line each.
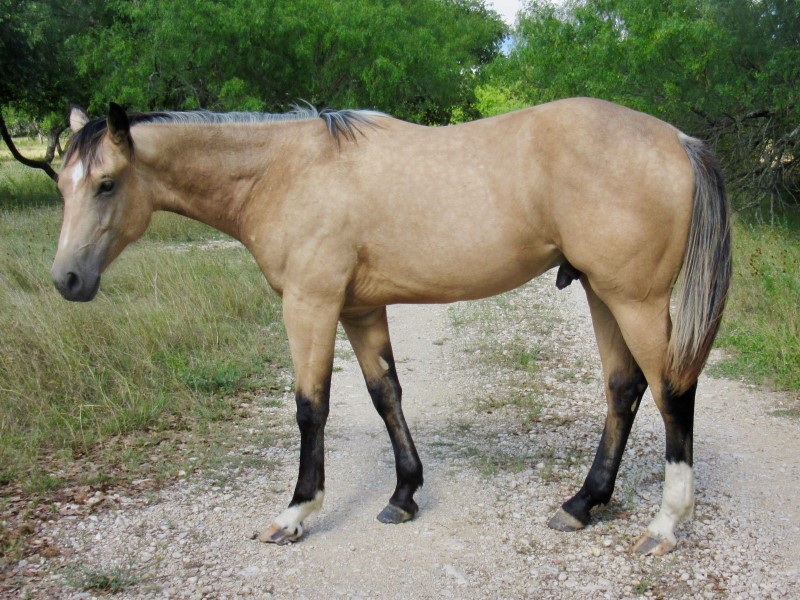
[128, 387]
[761, 327]
[172, 335]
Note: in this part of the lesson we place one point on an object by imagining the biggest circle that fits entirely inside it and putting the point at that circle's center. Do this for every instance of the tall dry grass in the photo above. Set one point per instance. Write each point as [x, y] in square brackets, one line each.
[171, 335]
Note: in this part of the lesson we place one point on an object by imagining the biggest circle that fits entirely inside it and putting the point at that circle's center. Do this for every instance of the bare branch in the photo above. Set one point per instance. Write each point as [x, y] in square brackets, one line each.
[36, 164]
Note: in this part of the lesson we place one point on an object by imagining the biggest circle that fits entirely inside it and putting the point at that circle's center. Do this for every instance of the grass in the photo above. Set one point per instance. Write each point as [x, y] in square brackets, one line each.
[22, 187]
[145, 383]
[761, 327]
[170, 337]
[112, 581]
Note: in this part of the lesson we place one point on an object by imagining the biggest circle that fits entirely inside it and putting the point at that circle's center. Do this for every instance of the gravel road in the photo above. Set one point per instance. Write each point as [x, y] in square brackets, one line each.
[504, 399]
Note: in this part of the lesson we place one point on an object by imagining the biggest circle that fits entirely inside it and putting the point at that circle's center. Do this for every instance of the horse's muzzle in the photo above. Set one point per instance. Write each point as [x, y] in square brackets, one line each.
[76, 286]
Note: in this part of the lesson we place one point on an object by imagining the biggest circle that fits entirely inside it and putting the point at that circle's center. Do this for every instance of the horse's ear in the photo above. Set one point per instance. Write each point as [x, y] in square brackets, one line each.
[77, 118]
[118, 125]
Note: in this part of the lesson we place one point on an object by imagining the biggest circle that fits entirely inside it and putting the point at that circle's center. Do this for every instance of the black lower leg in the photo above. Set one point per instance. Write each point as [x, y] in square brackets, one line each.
[312, 414]
[386, 396]
[625, 396]
[677, 410]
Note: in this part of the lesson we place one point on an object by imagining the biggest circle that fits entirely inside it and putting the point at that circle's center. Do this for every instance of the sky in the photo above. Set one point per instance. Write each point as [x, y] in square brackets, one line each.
[507, 9]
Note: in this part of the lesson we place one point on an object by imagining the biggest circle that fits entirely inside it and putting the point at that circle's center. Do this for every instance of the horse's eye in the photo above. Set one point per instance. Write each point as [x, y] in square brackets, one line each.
[106, 186]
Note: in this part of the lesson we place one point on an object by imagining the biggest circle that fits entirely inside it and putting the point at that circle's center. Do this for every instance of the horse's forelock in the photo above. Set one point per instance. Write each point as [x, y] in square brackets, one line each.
[86, 143]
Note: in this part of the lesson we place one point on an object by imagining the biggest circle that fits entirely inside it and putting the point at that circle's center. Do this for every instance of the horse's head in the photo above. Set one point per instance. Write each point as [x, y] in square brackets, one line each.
[103, 208]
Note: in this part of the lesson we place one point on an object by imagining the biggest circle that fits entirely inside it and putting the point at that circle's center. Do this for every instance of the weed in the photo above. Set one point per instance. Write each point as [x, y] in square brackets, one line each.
[547, 469]
[629, 491]
[793, 413]
[646, 584]
[113, 580]
[39, 482]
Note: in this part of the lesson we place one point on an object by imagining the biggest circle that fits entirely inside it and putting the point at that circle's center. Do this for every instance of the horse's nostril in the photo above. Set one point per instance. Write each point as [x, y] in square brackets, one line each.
[73, 282]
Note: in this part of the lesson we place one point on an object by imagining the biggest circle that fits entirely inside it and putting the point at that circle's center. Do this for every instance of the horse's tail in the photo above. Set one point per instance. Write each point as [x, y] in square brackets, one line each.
[706, 271]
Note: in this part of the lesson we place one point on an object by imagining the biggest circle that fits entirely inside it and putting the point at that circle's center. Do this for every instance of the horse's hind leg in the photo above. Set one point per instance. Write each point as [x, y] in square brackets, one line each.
[646, 329]
[677, 412]
[369, 336]
[624, 386]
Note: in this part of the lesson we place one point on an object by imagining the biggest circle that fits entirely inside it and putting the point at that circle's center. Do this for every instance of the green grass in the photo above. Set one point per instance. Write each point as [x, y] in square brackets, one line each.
[171, 228]
[169, 339]
[111, 580]
[23, 187]
[761, 327]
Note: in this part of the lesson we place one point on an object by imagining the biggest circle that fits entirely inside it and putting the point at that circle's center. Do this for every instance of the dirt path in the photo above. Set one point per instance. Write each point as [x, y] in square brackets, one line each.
[504, 440]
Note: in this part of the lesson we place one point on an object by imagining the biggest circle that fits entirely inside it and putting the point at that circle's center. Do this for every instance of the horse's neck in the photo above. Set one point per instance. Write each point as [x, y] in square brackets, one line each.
[206, 173]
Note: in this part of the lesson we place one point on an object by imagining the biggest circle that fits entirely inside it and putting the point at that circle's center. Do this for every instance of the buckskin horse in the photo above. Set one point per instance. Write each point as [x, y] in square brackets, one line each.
[348, 211]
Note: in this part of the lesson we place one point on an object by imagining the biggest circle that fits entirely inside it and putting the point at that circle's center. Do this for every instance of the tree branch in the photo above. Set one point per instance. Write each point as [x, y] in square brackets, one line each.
[757, 114]
[36, 164]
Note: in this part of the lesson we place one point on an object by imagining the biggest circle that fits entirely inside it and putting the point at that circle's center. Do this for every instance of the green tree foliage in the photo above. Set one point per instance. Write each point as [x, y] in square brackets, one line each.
[38, 74]
[724, 70]
[418, 59]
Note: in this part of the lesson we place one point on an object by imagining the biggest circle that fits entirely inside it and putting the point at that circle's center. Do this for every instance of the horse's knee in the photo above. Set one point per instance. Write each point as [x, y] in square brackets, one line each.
[386, 395]
[311, 413]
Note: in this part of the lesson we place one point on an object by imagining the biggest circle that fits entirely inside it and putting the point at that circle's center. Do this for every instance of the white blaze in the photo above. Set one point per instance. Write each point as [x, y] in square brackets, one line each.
[77, 175]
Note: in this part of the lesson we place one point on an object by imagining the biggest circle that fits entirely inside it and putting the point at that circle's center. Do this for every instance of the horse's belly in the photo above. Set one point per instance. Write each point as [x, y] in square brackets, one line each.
[435, 277]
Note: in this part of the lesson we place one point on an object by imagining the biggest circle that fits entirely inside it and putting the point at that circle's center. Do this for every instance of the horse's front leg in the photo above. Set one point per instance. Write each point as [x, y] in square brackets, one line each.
[369, 335]
[311, 327]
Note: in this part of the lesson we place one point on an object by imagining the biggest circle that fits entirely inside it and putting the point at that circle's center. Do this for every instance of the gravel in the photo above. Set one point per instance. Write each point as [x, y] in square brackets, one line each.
[504, 398]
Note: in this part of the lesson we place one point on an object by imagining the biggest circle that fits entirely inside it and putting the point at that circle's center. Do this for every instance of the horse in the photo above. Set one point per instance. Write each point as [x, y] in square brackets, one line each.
[346, 212]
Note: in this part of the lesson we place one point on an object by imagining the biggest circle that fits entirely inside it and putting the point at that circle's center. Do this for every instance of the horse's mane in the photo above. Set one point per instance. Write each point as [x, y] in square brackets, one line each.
[342, 124]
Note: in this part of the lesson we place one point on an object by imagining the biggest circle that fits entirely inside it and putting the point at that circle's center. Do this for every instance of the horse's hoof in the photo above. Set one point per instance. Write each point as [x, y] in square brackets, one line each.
[395, 515]
[275, 534]
[563, 521]
[652, 544]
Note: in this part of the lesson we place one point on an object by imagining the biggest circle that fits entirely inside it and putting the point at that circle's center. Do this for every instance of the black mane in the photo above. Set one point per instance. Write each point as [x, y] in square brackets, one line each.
[342, 124]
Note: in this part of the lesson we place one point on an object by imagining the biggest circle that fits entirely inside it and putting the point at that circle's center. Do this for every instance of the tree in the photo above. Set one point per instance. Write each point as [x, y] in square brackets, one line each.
[420, 60]
[19, 57]
[724, 70]
[37, 67]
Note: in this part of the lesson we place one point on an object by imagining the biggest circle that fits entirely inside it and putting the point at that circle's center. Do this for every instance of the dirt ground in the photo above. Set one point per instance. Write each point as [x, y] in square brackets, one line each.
[504, 399]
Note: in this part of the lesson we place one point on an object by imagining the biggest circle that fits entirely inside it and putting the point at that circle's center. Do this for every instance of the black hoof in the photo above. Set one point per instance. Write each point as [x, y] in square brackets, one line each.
[563, 521]
[395, 515]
